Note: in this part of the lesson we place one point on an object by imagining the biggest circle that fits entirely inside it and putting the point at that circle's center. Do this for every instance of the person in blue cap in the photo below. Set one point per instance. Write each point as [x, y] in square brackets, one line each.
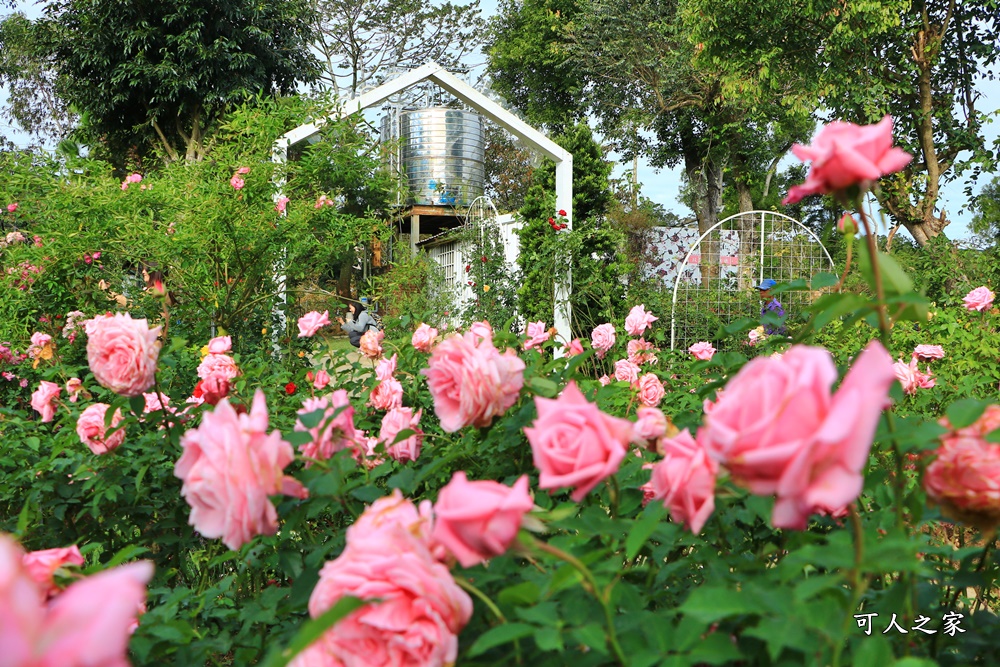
[771, 305]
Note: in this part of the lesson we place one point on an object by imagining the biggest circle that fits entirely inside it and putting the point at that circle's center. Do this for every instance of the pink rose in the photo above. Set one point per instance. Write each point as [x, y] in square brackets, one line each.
[156, 402]
[42, 400]
[220, 345]
[911, 377]
[312, 322]
[685, 480]
[482, 330]
[395, 421]
[604, 380]
[90, 427]
[574, 444]
[651, 390]
[780, 430]
[574, 348]
[213, 388]
[43, 565]
[229, 467]
[281, 204]
[537, 334]
[38, 341]
[70, 630]
[979, 299]
[420, 612]
[471, 382]
[626, 371]
[219, 365]
[371, 344]
[638, 320]
[73, 387]
[650, 425]
[476, 521]
[122, 353]
[386, 368]
[12, 207]
[702, 351]
[389, 513]
[845, 154]
[964, 478]
[335, 430]
[237, 182]
[602, 339]
[641, 352]
[928, 352]
[386, 395]
[321, 380]
[243, 170]
[423, 337]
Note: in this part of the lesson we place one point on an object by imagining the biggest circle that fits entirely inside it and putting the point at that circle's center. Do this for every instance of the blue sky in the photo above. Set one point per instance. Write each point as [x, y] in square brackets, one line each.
[663, 186]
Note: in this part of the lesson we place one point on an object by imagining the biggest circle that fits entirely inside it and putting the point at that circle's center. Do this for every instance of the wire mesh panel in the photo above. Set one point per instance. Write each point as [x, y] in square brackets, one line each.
[715, 282]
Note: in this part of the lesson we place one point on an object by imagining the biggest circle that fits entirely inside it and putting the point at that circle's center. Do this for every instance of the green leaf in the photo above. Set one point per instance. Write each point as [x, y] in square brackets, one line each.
[823, 279]
[402, 480]
[138, 404]
[126, 554]
[502, 634]
[643, 528]
[543, 386]
[549, 639]
[312, 419]
[993, 436]
[709, 604]
[315, 628]
[140, 475]
[964, 412]
[524, 593]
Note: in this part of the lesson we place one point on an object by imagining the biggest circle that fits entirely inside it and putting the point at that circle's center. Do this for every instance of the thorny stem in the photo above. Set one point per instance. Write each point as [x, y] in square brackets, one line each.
[590, 585]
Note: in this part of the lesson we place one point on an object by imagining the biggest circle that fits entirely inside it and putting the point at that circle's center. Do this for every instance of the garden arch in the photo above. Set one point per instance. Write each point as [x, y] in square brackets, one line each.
[716, 282]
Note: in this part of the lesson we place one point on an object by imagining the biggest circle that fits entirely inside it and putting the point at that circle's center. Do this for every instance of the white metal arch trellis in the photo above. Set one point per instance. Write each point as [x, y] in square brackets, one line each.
[716, 279]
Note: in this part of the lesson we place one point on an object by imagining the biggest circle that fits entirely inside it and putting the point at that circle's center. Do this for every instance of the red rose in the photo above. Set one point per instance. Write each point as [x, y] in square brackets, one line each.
[562, 213]
[290, 388]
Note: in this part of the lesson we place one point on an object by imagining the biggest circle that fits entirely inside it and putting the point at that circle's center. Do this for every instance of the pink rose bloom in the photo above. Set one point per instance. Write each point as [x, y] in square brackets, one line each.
[641, 352]
[219, 365]
[335, 430]
[471, 382]
[626, 371]
[321, 380]
[482, 330]
[371, 344]
[651, 390]
[90, 427]
[312, 322]
[602, 339]
[574, 348]
[71, 630]
[395, 421]
[43, 565]
[213, 388]
[756, 335]
[685, 480]
[963, 478]
[122, 353]
[42, 400]
[979, 299]
[928, 352]
[281, 204]
[230, 467]
[650, 425]
[386, 368]
[386, 395]
[845, 154]
[537, 334]
[780, 430]
[911, 377]
[237, 182]
[476, 521]
[423, 337]
[648, 495]
[638, 320]
[415, 624]
[220, 345]
[243, 170]
[574, 444]
[604, 380]
[702, 351]
[156, 402]
[12, 207]
[73, 387]
[389, 513]
[38, 341]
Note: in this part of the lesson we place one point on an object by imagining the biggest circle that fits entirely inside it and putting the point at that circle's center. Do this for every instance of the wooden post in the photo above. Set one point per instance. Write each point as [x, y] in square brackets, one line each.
[414, 232]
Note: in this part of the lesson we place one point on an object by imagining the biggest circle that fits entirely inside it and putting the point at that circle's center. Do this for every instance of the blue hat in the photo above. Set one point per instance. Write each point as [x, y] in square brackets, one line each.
[364, 299]
[767, 283]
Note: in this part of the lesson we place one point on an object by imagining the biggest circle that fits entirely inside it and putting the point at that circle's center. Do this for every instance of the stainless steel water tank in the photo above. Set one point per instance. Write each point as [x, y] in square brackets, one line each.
[441, 153]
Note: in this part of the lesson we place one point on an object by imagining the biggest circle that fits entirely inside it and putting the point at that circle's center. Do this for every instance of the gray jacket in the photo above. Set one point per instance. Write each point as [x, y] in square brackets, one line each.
[360, 325]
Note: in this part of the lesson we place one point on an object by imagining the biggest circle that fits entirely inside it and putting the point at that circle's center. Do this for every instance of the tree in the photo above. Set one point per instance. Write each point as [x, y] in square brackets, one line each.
[509, 169]
[360, 41]
[986, 216]
[917, 61]
[145, 75]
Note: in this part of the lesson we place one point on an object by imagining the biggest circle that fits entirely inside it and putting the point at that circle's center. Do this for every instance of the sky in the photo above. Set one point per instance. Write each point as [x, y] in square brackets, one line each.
[663, 185]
